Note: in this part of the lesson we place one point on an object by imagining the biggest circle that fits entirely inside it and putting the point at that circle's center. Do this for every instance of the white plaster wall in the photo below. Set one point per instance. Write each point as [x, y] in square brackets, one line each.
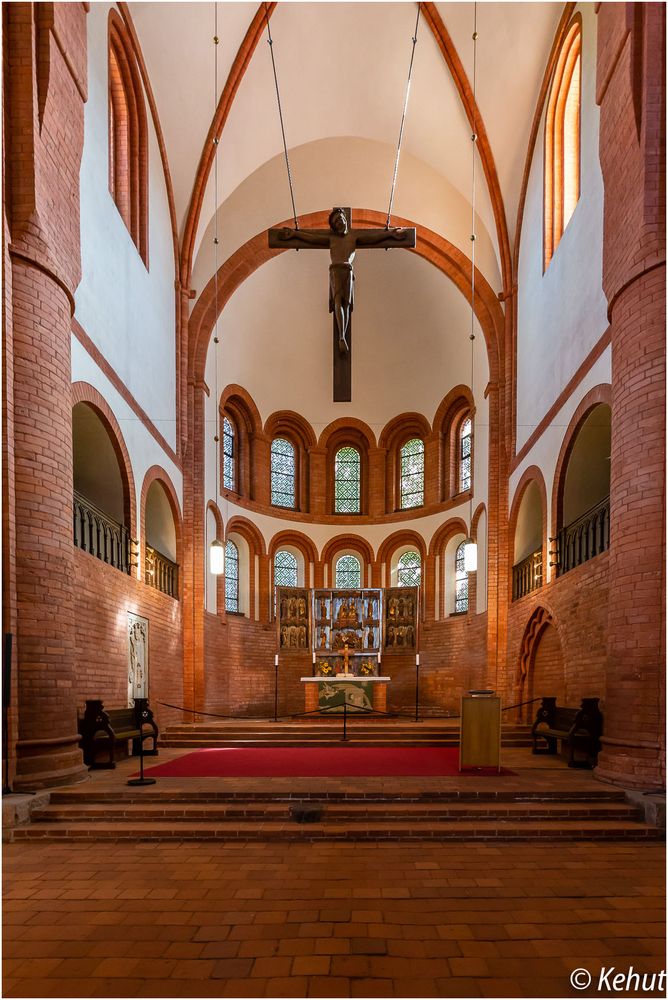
[143, 449]
[481, 572]
[562, 313]
[546, 450]
[126, 310]
[211, 579]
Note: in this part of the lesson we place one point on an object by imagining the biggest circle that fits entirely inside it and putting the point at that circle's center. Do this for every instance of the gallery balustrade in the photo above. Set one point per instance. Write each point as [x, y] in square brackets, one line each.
[100, 535]
[161, 573]
[584, 538]
[528, 574]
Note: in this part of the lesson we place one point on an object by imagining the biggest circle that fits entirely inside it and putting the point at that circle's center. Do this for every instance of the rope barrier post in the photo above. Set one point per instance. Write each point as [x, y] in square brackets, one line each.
[276, 688]
[417, 688]
[140, 705]
[345, 720]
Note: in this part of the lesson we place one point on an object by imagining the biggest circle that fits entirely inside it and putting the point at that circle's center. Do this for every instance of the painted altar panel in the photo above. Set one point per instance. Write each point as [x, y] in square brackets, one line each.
[356, 696]
[292, 618]
[347, 617]
[401, 617]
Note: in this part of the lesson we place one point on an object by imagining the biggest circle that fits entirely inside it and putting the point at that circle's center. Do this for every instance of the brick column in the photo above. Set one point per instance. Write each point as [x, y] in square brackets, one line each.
[44, 97]
[47, 749]
[631, 94]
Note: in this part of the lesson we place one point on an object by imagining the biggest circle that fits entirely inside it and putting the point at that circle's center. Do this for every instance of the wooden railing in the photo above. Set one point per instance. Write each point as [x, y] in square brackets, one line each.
[528, 574]
[97, 533]
[585, 538]
[161, 573]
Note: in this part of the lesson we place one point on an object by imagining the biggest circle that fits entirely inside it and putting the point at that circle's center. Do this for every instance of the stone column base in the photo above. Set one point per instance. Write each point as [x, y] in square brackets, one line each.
[633, 764]
[48, 763]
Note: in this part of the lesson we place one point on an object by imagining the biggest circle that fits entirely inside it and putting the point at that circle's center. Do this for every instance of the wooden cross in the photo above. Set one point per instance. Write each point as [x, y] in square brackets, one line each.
[342, 241]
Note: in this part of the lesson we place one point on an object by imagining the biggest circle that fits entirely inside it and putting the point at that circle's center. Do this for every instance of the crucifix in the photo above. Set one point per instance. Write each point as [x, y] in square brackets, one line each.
[342, 241]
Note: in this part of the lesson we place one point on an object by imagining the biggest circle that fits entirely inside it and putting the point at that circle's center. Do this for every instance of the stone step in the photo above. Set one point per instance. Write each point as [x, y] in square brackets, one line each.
[458, 829]
[83, 794]
[334, 812]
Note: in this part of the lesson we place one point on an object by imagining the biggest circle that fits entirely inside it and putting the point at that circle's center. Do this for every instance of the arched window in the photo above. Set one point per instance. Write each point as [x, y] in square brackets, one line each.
[229, 455]
[128, 145]
[347, 481]
[411, 474]
[282, 473]
[285, 569]
[562, 143]
[465, 442]
[409, 569]
[348, 573]
[461, 581]
[231, 577]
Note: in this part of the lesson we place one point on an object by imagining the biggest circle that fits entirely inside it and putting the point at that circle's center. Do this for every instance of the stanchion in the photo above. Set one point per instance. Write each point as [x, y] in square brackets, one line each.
[6, 702]
[140, 705]
[417, 687]
[345, 719]
[276, 688]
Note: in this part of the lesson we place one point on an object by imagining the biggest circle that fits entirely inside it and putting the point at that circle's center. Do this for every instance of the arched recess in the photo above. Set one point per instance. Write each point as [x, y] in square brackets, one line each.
[215, 584]
[342, 545]
[84, 393]
[297, 430]
[479, 536]
[540, 669]
[393, 546]
[161, 532]
[581, 487]
[340, 433]
[239, 407]
[128, 135]
[253, 549]
[447, 421]
[394, 436]
[527, 534]
[441, 548]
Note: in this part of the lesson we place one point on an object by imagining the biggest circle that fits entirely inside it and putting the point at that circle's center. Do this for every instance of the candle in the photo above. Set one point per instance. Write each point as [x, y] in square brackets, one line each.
[417, 659]
[379, 656]
[314, 657]
[276, 660]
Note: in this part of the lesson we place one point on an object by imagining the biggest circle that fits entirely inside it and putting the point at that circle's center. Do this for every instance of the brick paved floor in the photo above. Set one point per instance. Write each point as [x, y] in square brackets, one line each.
[327, 919]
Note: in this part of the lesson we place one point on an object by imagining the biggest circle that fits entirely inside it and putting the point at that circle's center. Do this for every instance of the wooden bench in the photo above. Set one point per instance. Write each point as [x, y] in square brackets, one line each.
[580, 728]
[102, 728]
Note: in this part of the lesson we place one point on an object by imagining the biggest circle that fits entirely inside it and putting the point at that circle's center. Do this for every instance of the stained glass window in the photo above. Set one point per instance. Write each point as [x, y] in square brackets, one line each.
[285, 569]
[411, 484]
[347, 481]
[465, 439]
[461, 581]
[231, 577]
[229, 478]
[348, 573]
[282, 473]
[409, 569]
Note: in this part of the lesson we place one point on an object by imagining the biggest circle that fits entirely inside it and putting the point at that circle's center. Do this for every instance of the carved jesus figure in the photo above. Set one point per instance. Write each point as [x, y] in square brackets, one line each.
[342, 242]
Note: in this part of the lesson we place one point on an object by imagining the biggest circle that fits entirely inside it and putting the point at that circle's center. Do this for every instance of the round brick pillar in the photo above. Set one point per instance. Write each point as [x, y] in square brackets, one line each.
[47, 750]
[633, 745]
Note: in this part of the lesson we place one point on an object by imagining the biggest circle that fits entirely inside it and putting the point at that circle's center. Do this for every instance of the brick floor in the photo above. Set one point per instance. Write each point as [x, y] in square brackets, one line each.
[326, 919]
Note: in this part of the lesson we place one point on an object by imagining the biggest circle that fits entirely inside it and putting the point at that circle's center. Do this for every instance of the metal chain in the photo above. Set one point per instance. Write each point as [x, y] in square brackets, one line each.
[403, 120]
[280, 115]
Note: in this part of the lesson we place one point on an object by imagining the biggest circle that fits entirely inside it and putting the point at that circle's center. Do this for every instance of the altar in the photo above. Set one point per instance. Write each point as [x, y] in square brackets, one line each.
[358, 694]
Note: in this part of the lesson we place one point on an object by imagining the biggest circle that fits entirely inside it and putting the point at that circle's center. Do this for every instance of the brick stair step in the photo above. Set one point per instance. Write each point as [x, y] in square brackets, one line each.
[453, 830]
[362, 812]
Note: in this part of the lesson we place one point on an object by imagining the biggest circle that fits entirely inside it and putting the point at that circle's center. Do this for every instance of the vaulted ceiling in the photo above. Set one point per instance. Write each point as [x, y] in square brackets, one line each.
[342, 70]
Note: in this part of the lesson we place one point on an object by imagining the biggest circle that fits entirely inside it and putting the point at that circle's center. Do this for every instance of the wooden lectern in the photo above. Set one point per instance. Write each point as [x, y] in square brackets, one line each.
[480, 730]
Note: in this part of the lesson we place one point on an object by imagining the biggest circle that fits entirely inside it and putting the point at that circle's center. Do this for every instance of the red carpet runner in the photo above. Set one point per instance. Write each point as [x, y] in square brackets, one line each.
[318, 762]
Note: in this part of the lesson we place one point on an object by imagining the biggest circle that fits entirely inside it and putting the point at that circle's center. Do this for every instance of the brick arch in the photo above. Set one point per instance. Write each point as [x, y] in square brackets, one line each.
[442, 254]
[248, 531]
[239, 407]
[84, 392]
[398, 538]
[453, 526]
[156, 474]
[539, 622]
[599, 394]
[337, 434]
[338, 544]
[532, 474]
[477, 514]
[296, 429]
[452, 410]
[297, 539]
[393, 437]
[218, 517]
